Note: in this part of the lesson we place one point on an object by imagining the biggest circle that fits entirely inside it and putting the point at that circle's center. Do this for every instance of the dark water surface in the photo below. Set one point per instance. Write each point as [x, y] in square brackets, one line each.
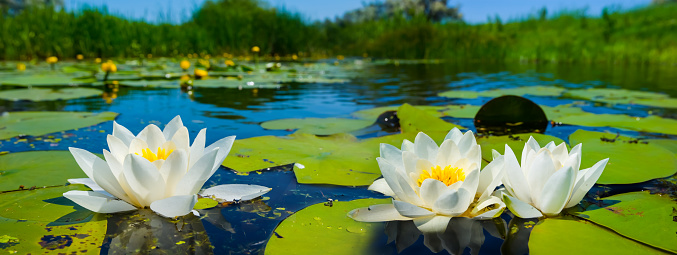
[228, 112]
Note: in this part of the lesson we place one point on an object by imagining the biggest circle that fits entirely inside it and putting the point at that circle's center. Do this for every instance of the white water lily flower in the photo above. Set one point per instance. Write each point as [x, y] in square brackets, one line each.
[431, 184]
[548, 180]
[156, 168]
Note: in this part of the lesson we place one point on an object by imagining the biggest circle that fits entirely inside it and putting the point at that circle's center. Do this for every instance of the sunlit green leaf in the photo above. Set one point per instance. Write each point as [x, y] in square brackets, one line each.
[38, 94]
[43, 205]
[414, 120]
[629, 162]
[37, 168]
[518, 91]
[624, 96]
[321, 229]
[44, 80]
[373, 113]
[42, 238]
[236, 84]
[205, 203]
[461, 111]
[151, 84]
[649, 124]
[565, 236]
[318, 126]
[40, 123]
[638, 215]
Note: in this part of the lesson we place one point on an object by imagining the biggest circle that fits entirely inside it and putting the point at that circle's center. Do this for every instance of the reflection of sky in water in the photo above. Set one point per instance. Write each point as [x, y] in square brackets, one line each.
[238, 112]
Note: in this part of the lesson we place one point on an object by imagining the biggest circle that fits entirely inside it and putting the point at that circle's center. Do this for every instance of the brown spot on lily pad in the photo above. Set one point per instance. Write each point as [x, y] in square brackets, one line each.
[51, 242]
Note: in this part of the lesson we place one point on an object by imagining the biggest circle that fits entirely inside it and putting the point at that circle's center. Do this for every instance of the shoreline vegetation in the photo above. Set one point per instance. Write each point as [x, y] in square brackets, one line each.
[231, 27]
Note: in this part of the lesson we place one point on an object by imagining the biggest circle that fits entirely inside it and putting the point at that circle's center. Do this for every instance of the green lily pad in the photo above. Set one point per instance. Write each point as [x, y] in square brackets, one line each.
[205, 203]
[670, 145]
[516, 143]
[119, 76]
[624, 96]
[640, 216]
[37, 168]
[45, 205]
[45, 80]
[151, 84]
[42, 238]
[558, 112]
[373, 113]
[236, 84]
[461, 111]
[518, 91]
[338, 159]
[320, 229]
[38, 94]
[414, 120]
[629, 162]
[652, 123]
[318, 126]
[560, 236]
[40, 123]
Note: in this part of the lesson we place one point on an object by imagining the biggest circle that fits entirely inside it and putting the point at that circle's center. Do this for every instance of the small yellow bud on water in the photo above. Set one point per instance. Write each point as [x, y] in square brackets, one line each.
[52, 60]
[185, 64]
[256, 49]
[80, 57]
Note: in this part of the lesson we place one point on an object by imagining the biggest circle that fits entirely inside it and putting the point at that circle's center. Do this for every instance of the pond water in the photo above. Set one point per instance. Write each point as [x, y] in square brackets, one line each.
[245, 228]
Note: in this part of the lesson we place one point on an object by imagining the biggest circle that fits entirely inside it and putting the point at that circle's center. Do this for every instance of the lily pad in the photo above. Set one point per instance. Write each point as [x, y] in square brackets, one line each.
[624, 96]
[629, 162]
[671, 145]
[561, 236]
[40, 123]
[518, 91]
[42, 238]
[652, 123]
[516, 143]
[318, 126]
[43, 205]
[373, 113]
[558, 112]
[320, 229]
[205, 203]
[461, 111]
[236, 84]
[640, 216]
[151, 84]
[37, 168]
[338, 159]
[45, 80]
[38, 94]
[414, 120]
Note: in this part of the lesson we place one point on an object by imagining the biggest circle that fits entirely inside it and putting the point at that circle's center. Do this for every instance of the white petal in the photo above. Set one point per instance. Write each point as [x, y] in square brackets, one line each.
[490, 214]
[520, 208]
[107, 180]
[472, 180]
[490, 177]
[174, 206]
[174, 168]
[540, 170]
[113, 163]
[170, 129]
[531, 146]
[455, 135]
[118, 147]
[144, 180]
[153, 136]
[516, 181]
[136, 147]
[482, 204]
[198, 147]
[560, 152]
[380, 185]
[85, 160]
[89, 183]
[376, 213]
[425, 147]
[97, 202]
[431, 189]
[467, 143]
[390, 175]
[223, 145]
[391, 153]
[453, 202]
[448, 154]
[431, 225]
[557, 192]
[198, 174]
[410, 160]
[122, 133]
[408, 146]
[409, 210]
[181, 139]
[235, 192]
[583, 185]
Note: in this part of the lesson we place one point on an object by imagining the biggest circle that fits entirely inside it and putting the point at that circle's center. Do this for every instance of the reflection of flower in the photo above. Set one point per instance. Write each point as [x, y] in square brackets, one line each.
[156, 169]
[455, 237]
[548, 179]
[432, 184]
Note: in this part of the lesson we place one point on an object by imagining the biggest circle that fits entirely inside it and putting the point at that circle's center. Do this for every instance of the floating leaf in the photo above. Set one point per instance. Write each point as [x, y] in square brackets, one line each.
[668, 144]
[638, 215]
[205, 203]
[557, 112]
[37, 168]
[43, 205]
[44, 80]
[510, 115]
[414, 120]
[373, 113]
[649, 124]
[41, 238]
[516, 143]
[624, 96]
[518, 91]
[320, 229]
[236, 84]
[560, 236]
[461, 111]
[38, 94]
[318, 126]
[151, 84]
[629, 162]
[39, 123]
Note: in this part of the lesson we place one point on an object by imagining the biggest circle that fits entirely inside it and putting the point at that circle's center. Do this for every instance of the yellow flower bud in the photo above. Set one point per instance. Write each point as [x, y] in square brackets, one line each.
[340, 57]
[256, 49]
[97, 60]
[294, 57]
[185, 64]
[230, 63]
[80, 57]
[21, 67]
[109, 66]
[200, 73]
[52, 60]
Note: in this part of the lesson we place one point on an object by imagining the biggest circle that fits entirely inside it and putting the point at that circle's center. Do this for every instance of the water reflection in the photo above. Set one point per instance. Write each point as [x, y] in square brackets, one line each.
[459, 235]
[518, 238]
[144, 232]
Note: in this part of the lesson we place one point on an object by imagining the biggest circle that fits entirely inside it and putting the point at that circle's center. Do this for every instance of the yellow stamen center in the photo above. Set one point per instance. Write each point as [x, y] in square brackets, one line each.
[150, 156]
[449, 175]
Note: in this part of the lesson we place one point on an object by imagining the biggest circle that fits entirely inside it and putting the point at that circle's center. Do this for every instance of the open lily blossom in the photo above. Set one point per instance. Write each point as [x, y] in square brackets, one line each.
[431, 184]
[548, 179]
[157, 169]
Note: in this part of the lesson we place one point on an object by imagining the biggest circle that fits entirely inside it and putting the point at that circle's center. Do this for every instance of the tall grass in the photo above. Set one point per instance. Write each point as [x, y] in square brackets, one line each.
[645, 35]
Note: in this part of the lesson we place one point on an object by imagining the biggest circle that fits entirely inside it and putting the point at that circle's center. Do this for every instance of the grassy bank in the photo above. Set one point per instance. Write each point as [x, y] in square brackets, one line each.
[646, 35]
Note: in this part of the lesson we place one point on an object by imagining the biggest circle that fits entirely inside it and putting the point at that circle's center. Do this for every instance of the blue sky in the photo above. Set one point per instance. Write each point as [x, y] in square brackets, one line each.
[474, 11]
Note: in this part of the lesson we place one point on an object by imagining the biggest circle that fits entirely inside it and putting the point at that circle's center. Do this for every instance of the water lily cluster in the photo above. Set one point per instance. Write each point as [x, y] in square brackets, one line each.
[432, 184]
[156, 169]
